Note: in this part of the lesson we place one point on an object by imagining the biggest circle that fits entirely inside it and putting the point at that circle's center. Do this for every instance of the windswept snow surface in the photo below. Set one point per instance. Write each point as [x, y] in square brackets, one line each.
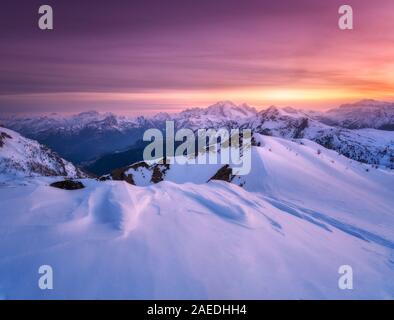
[300, 215]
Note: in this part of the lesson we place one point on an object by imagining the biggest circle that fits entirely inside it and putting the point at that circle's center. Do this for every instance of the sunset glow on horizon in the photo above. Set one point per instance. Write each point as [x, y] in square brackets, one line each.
[141, 57]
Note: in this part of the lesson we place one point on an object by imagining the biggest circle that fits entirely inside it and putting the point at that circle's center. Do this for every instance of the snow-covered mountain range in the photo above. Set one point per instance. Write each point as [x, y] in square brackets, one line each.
[21, 157]
[362, 114]
[349, 129]
[359, 115]
[211, 116]
[365, 145]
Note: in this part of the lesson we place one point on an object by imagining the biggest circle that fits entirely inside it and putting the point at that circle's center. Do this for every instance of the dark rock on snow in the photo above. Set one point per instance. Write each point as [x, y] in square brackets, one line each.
[68, 185]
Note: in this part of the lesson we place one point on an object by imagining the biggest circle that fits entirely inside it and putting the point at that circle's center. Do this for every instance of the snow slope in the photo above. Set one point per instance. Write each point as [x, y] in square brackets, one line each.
[305, 173]
[310, 178]
[21, 157]
[300, 214]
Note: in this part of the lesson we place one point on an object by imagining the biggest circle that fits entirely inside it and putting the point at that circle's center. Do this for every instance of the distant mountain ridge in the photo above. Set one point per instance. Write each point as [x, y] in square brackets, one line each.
[86, 137]
[363, 114]
[36, 125]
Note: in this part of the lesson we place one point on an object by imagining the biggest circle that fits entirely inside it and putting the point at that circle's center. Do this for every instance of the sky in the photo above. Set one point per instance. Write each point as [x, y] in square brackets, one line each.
[146, 56]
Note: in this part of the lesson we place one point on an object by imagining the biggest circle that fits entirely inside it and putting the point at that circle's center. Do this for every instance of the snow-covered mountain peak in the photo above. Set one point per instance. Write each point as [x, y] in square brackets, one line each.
[223, 104]
[161, 116]
[223, 110]
[271, 111]
[275, 113]
[22, 157]
[88, 117]
[228, 109]
[292, 110]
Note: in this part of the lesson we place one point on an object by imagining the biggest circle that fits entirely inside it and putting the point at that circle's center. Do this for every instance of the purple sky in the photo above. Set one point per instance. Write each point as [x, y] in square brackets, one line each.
[144, 56]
